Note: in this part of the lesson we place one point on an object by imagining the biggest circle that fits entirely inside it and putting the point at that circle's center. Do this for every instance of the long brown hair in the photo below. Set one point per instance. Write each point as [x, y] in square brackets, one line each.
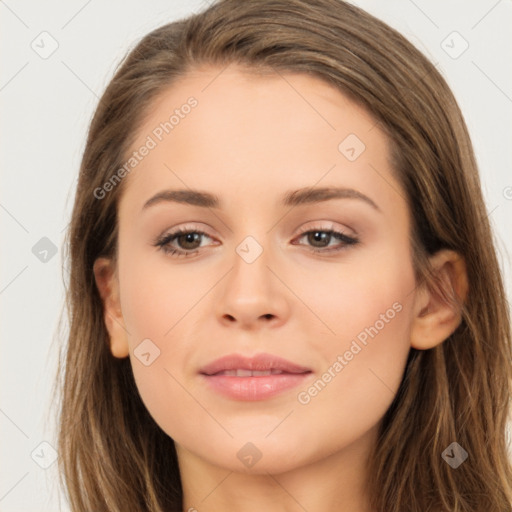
[113, 456]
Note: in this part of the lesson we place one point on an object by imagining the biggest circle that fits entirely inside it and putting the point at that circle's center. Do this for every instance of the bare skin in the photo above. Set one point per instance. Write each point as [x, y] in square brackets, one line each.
[248, 141]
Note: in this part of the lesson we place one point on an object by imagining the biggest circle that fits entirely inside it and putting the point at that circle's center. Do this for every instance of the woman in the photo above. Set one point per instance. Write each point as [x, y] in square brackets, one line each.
[284, 292]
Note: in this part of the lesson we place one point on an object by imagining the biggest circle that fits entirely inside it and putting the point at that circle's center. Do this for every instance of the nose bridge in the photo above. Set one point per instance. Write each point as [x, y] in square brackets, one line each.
[250, 276]
[251, 290]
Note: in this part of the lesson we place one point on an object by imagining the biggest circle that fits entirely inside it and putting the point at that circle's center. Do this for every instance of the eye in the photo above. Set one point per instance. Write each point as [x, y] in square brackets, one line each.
[186, 238]
[188, 241]
[321, 238]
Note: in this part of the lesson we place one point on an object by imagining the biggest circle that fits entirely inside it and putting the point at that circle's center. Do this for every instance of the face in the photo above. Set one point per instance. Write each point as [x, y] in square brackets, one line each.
[266, 268]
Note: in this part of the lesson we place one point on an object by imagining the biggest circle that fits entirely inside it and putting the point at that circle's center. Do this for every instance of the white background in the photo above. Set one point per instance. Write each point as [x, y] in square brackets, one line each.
[46, 107]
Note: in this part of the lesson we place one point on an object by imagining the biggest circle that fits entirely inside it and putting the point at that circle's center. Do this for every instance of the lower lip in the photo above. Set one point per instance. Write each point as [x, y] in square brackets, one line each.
[254, 388]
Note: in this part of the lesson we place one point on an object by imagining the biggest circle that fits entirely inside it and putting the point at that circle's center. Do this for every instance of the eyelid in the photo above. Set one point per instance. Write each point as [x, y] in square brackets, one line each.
[317, 225]
[312, 225]
[162, 241]
[196, 228]
[180, 229]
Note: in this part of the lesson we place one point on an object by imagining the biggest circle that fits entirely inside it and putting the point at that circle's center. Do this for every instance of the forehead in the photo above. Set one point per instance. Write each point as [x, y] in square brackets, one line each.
[299, 94]
[215, 127]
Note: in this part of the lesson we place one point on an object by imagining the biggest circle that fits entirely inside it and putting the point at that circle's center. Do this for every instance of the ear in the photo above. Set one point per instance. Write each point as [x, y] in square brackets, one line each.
[437, 312]
[108, 287]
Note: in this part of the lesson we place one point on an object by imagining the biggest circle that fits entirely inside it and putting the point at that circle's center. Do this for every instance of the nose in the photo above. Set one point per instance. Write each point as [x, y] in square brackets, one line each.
[252, 296]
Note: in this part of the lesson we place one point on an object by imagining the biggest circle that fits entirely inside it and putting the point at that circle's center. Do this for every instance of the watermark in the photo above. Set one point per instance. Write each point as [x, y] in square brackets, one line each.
[454, 45]
[44, 250]
[454, 455]
[151, 142]
[249, 454]
[249, 249]
[507, 193]
[146, 352]
[44, 455]
[304, 397]
[45, 45]
[351, 147]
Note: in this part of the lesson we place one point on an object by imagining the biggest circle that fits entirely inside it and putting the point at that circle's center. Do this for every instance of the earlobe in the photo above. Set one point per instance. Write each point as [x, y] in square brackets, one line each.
[438, 310]
[108, 287]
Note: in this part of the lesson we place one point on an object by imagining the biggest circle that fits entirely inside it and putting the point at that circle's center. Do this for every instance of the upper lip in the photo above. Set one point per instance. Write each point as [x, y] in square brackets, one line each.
[257, 362]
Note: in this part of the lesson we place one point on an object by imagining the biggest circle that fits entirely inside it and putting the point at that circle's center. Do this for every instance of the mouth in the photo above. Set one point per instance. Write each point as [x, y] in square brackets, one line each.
[268, 363]
[252, 378]
[250, 373]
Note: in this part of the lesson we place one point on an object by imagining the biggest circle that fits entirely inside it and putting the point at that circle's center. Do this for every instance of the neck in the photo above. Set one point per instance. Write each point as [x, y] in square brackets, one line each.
[335, 481]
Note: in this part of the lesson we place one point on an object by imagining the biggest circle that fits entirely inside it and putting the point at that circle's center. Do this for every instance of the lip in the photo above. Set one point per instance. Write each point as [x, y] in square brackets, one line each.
[255, 387]
[257, 362]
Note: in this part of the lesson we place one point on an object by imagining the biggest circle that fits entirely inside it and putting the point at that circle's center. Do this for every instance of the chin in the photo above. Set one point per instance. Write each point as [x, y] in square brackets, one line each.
[257, 454]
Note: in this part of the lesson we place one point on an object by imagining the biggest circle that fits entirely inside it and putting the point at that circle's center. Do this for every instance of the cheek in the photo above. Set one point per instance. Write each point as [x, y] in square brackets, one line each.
[368, 309]
[157, 296]
[159, 305]
[362, 366]
[366, 298]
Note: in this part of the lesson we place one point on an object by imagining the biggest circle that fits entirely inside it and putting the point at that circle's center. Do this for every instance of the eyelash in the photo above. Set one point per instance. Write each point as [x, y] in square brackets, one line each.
[162, 242]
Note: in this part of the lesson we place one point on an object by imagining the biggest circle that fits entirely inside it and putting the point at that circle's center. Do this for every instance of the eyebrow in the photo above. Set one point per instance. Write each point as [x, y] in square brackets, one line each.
[291, 198]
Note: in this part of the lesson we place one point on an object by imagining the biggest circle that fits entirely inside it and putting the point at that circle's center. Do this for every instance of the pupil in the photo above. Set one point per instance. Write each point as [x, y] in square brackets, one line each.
[190, 237]
[319, 235]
